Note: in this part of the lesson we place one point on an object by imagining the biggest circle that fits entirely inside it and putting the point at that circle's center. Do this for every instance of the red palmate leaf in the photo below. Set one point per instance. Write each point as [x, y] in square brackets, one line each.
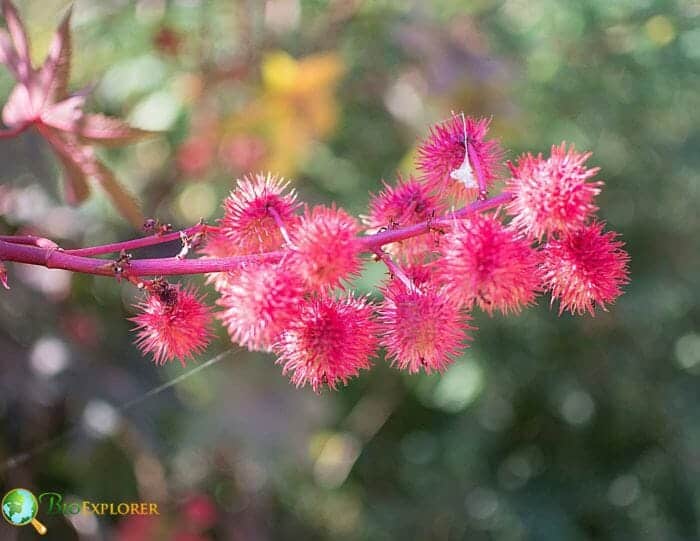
[18, 109]
[125, 201]
[76, 165]
[65, 115]
[40, 99]
[19, 39]
[54, 74]
[81, 164]
[8, 55]
[106, 130]
[75, 185]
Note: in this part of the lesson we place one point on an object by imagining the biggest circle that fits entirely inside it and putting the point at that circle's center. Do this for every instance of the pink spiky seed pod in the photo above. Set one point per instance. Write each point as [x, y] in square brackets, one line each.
[326, 247]
[454, 156]
[422, 276]
[490, 265]
[329, 342]
[421, 328]
[218, 245]
[408, 202]
[554, 194]
[252, 212]
[173, 323]
[585, 268]
[258, 303]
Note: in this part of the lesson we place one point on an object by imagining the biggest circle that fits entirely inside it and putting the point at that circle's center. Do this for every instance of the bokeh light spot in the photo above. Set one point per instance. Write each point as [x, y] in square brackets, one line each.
[577, 407]
[336, 459]
[458, 387]
[49, 356]
[157, 112]
[196, 201]
[660, 30]
[687, 352]
[100, 418]
[624, 490]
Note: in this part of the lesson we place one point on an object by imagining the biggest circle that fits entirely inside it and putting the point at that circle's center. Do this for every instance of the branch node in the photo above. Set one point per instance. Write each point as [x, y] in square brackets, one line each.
[433, 228]
[153, 226]
[121, 265]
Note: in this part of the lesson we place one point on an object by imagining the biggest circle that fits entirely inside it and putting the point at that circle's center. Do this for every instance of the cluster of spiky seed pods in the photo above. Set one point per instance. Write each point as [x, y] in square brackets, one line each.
[538, 236]
[284, 274]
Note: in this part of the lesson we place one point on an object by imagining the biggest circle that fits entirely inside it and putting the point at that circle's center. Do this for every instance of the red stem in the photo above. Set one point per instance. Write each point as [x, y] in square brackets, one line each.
[142, 242]
[403, 233]
[394, 269]
[280, 224]
[30, 240]
[53, 257]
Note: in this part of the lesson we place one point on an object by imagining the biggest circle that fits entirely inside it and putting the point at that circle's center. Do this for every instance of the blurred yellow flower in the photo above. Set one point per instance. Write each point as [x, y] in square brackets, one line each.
[296, 107]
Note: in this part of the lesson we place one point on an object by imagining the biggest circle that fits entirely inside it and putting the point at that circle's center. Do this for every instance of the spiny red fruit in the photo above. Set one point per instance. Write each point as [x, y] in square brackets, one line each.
[326, 248]
[258, 304]
[248, 222]
[421, 275]
[420, 328]
[218, 245]
[585, 268]
[553, 194]
[407, 203]
[328, 342]
[445, 149]
[173, 323]
[490, 265]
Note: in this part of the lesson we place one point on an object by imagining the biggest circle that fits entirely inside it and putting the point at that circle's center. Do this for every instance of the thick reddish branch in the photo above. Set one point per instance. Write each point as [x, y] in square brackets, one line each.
[30, 240]
[54, 258]
[403, 233]
[35, 251]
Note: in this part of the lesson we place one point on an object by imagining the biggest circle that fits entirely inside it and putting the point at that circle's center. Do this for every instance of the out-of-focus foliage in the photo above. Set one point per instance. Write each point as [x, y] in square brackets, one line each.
[547, 428]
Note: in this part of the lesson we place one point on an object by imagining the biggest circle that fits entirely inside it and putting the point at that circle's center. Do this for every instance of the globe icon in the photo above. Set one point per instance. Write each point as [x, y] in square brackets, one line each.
[19, 507]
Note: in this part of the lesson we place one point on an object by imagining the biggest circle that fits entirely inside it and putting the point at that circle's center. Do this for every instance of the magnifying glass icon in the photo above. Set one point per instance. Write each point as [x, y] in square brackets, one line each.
[19, 507]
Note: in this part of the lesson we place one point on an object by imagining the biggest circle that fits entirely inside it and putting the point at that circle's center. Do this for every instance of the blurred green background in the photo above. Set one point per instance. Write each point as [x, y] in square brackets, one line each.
[548, 428]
